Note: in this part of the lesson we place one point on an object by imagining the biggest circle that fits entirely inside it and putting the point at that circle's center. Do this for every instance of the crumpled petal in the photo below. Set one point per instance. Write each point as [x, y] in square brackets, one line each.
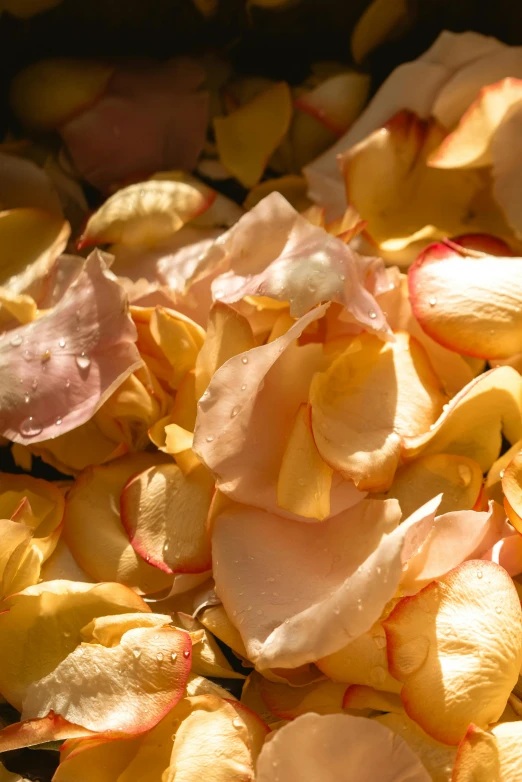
[338, 746]
[274, 251]
[164, 514]
[207, 657]
[44, 622]
[437, 757]
[370, 398]
[475, 419]
[127, 687]
[458, 478]
[95, 533]
[72, 381]
[457, 647]
[416, 201]
[467, 302]
[297, 592]
[486, 755]
[243, 405]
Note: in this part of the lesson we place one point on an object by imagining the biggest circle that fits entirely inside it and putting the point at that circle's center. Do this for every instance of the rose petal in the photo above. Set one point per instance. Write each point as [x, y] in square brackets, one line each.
[437, 757]
[274, 251]
[113, 688]
[363, 698]
[98, 354]
[318, 581]
[244, 405]
[337, 101]
[457, 478]
[418, 201]
[94, 531]
[29, 733]
[291, 186]
[146, 213]
[468, 303]
[24, 184]
[287, 703]
[54, 613]
[485, 755]
[164, 514]
[444, 642]
[373, 395]
[331, 746]
[264, 121]
[216, 620]
[378, 23]
[207, 657]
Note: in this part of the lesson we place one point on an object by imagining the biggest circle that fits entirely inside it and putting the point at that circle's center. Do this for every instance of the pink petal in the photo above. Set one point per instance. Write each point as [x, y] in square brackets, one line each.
[297, 592]
[46, 389]
[150, 119]
[247, 413]
[507, 553]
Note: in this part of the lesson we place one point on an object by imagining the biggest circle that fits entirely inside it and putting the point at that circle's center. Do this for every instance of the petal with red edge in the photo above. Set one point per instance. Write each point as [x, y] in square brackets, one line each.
[337, 746]
[53, 613]
[94, 531]
[73, 381]
[207, 657]
[474, 421]
[361, 697]
[164, 514]
[469, 303]
[337, 101]
[313, 592]
[371, 397]
[457, 647]
[486, 755]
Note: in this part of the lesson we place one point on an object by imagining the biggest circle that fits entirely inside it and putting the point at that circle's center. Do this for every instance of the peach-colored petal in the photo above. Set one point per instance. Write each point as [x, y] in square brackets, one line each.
[378, 23]
[62, 566]
[507, 553]
[69, 360]
[152, 117]
[164, 514]
[437, 757]
[207, 657]
[24, 184]
[274, 251]
[53, 613]
[216, 620]
[417, 202]
[362, 697]
[243, 405]
[373, 395]
[337, 101]
[475, 419]
[338, 746]
[458, 478]
[126, 687]
[448, 539]
[487, 755]
[316, 589]
[28, 733]
[94, 531]
[292, 187]
[467, 302]
[457, 647]
[287, 703]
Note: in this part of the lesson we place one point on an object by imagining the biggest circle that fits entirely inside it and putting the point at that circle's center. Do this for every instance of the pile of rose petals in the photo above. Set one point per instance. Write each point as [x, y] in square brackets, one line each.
[291, 471]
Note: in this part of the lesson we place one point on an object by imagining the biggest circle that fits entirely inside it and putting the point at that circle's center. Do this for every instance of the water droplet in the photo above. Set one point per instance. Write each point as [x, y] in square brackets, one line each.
[30, 428]
[147, 558]
[58, 421]
[62, 342]
[46, 355]
[270, 580]
[372, 314]
[244, 360]
[136, 653]
[244, 387]
[34, 384]
[249, 608]
[498, 610]
[379, 641]
[235, 411]
[501, 474]
[432, 301]
[342, 277]
[479, 573]
[174, 656]
[259, 612]
[186, 654]
[27, 398]
[237, 723]
[27, 355]
[83, 361]
[16, 340]
[209, 438]
[67, 383]
[159, 657]
[465, 474]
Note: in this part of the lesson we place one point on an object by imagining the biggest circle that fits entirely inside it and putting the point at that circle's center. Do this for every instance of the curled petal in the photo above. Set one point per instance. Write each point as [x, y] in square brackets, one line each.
[494, 754]
[128, 687]
[363, 698]
[274, 251]
[469, 303]
[473, 422]
[512, 488]
[94, 530]
[330, 746]
[287, 703]
[313, 592]
[28, 733]
[24, 184]
[54, 612]
[291, 186]
[207, 657]
[164, 514]
[78, 354]
[369, 398]
[244, 405]
[216, 620]
[337, 101]
[444, 642]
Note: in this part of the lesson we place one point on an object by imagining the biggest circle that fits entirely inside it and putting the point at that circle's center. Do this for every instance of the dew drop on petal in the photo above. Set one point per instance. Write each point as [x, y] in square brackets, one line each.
[479, 573]
[83, 361]
[237, 723]
[186, 654]
[159, 657]
[244, 360]
[136, 653]
[209, 438]
[62, 342]
[372, 314]
[30, 427]
[27, 398]
[46, 355]
[235, 411]
[465, 474]
[16, 340]
[67, 383]
[174, 656]
[432, 301]
[379, 641]
[34, 385]
[58, 421]
[244, 387]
